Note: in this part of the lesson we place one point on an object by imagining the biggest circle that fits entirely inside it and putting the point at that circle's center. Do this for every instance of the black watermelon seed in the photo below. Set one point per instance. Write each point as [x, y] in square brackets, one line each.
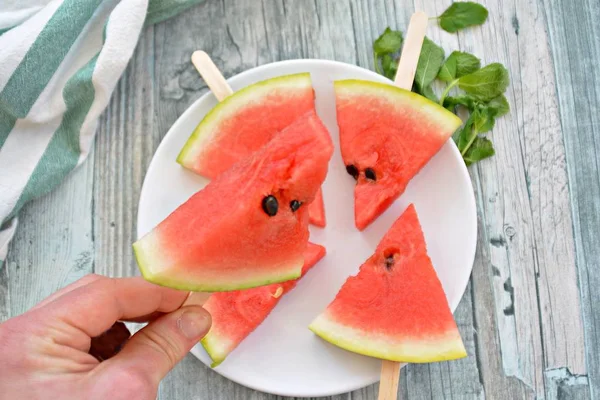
[370, 174]
[270, 205]
[389, 262]
[295, 204]
[351, 169]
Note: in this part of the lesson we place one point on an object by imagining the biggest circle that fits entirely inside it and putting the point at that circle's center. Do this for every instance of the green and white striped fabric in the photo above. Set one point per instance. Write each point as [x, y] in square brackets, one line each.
[59, 63]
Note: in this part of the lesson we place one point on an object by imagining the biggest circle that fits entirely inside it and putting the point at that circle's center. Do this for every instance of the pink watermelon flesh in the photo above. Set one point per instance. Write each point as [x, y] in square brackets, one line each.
[316, 210]
[223, 239]
[387, 135]
[395, 308]
[236, 314]
[244, 122]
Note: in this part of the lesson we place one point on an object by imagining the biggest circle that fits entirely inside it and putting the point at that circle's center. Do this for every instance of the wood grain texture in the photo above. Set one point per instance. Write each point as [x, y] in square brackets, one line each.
[530, 315]
[525, 202]
[53, 245]
[124, 146]
[575, 38]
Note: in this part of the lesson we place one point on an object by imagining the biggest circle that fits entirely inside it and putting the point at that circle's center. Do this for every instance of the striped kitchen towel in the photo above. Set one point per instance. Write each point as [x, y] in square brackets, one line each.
[59, 62]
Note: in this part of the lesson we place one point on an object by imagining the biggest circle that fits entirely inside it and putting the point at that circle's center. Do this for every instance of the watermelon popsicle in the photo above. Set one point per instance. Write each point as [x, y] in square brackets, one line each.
[395, 307]
[387, 134]
[249, 226]
[245, 121]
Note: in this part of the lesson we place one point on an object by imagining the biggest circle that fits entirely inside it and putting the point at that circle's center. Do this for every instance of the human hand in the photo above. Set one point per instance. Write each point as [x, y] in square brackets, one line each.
[45, 351]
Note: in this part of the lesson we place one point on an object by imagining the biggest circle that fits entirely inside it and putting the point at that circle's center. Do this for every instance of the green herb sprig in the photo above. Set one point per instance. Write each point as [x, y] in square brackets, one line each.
[386, 49]
[481, 90]
[462, 14]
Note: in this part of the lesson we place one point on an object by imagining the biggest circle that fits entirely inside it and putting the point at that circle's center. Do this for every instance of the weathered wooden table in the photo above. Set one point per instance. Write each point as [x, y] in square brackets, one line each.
[530, 317]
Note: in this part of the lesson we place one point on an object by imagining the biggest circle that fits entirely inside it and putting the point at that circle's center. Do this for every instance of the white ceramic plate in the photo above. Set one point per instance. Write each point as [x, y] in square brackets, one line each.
[282, 356]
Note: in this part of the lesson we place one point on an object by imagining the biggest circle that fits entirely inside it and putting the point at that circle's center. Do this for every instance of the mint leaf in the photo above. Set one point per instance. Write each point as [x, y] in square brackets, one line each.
[464, 100]
[479, 121]
[465, 63]
[499, 106]
[466, 135]
[384, 47]
[430, 62]
[487, 83]
[429, 93]
[448, 71]
[485, 121]
[389, 66]
[458, 64]
[461, 15]
[389, 42]
[481, 148]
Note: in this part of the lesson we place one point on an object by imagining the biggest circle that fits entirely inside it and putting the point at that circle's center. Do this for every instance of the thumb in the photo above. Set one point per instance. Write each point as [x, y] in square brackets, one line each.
[154, 350]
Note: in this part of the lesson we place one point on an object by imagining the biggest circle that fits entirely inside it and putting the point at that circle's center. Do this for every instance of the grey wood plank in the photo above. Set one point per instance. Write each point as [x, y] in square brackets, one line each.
[126, 140]
[516, 311]
[525, 204]
[489, 353]
[562, 384]
[575, 41]
[540, 134]
[53, 244]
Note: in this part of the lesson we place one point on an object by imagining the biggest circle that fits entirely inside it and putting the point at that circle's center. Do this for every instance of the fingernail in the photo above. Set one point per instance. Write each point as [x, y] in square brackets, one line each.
[194, 323]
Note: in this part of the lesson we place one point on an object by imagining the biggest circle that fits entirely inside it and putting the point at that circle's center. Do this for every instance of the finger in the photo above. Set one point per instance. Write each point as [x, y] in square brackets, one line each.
[86, 280]
[156, 349]
[146, 318]
[95, 307]
[193, 299]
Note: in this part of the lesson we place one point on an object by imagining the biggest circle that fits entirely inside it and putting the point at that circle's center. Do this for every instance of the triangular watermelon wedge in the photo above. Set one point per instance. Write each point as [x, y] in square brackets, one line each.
[249, 226]
[387, 135]
[244, 122]
[237, 314]
[395, 308]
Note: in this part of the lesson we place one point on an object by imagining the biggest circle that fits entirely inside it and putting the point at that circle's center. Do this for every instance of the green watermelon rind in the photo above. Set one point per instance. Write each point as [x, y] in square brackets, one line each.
[186, 285]
[190, 152]
[207, 343]
[398, 96]
[359, 341]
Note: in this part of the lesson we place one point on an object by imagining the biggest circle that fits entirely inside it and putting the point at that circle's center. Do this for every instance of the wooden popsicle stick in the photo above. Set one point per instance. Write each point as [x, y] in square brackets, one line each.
[407, 67]
[196, 299]
[221, 89]
[211, 75]
[389, 381]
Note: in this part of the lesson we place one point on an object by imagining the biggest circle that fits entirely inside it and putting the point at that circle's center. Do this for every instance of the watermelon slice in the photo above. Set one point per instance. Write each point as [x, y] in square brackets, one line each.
[246, 121]
[387, 135]
[249, 226]
[236, 314]
[395, 308]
